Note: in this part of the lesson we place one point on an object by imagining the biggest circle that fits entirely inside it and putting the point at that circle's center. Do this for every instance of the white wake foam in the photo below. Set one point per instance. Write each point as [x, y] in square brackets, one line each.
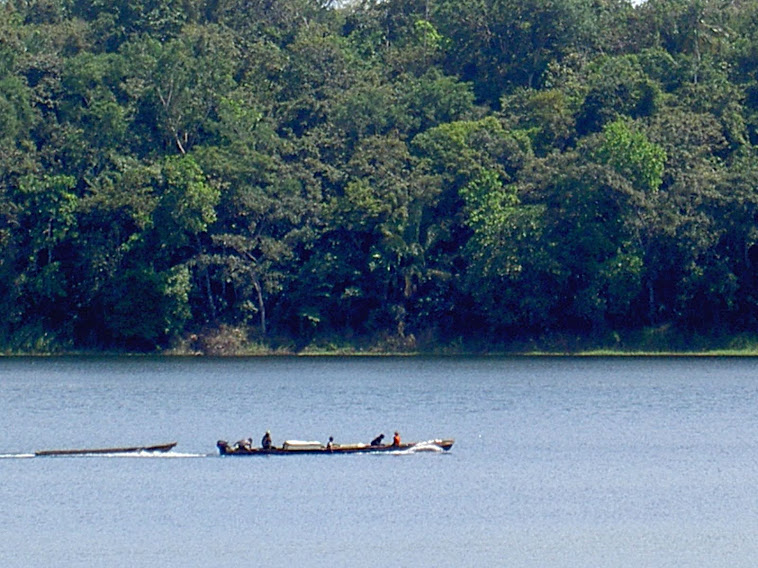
[428, 446]
[148, 455]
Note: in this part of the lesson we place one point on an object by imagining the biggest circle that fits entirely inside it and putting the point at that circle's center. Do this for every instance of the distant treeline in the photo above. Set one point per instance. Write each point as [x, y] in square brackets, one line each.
[405, 173]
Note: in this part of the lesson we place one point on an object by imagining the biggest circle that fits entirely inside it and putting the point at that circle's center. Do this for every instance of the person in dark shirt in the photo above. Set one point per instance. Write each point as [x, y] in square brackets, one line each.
[266, 441]
[378, 440]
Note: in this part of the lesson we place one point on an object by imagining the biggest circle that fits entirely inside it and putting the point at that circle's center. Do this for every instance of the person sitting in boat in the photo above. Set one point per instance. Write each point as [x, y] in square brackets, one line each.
[266, 441]
[330, 443]
[396, 439]
[378, 440]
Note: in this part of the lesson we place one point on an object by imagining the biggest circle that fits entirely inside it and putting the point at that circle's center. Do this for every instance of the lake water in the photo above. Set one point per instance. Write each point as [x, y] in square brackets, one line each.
[623, 462]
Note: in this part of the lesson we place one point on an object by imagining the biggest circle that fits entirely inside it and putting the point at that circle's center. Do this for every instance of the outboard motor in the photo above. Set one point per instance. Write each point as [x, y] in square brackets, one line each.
[223, 447]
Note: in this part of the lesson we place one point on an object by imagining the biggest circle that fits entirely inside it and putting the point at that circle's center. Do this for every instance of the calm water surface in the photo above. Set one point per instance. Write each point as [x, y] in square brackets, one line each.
[557, 462]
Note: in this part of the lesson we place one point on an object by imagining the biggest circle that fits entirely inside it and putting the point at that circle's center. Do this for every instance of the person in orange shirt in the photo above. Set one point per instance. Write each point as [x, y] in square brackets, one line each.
[396, 439]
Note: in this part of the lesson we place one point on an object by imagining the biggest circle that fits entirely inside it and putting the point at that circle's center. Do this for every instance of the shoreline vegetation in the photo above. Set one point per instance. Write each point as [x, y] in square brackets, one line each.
[309, 177]
[239, 342]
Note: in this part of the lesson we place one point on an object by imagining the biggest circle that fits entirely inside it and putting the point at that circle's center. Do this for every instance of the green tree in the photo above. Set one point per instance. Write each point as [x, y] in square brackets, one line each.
[176, 86]
[502, 44]
[681, 233]
[43, 224]
[386, 203]
[632, 155]
[546, 116]
[616, 86]
[155, 217]
[146, 307]
[505, 237]
[267, 214]
[114, 217]
[457, 155]
[587, 268]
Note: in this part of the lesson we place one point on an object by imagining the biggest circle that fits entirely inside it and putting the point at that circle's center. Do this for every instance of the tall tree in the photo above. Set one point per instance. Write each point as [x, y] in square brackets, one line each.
[268, 211]
[177, 86]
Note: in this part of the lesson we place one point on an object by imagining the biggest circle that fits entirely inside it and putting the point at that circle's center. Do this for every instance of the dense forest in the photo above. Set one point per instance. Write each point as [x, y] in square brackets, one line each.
[420, 175]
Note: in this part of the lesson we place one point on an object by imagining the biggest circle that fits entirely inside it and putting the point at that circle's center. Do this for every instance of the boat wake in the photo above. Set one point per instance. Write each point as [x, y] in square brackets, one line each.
[428, 446]
[138, 455]
[141, 455]
[160, 455]
[144, 455]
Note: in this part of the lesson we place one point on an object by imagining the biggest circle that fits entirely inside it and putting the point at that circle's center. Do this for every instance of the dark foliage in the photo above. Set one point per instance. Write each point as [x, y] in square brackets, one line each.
[470, 173]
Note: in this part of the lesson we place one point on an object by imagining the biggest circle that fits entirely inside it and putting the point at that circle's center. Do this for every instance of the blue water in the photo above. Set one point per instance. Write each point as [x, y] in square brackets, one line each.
[557, 462]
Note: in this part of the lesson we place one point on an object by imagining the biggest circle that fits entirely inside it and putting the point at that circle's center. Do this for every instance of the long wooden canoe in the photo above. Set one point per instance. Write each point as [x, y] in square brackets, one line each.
[122, 450]
[238, 449]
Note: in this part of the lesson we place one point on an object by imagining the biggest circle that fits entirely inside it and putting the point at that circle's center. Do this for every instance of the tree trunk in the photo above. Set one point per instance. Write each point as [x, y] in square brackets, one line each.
[651, 302]
[261, 305]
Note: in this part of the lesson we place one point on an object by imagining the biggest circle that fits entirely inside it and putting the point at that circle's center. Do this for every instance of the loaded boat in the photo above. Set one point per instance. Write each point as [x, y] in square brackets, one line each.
[291, 447]
[121, 450]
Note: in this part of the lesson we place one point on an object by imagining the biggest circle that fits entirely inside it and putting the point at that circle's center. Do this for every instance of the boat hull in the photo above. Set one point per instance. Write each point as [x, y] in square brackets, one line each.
[226, 449]
[120, 450]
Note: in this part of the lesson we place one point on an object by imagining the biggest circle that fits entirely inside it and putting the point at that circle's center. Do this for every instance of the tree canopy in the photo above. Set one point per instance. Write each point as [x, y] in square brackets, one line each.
[402, 173]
